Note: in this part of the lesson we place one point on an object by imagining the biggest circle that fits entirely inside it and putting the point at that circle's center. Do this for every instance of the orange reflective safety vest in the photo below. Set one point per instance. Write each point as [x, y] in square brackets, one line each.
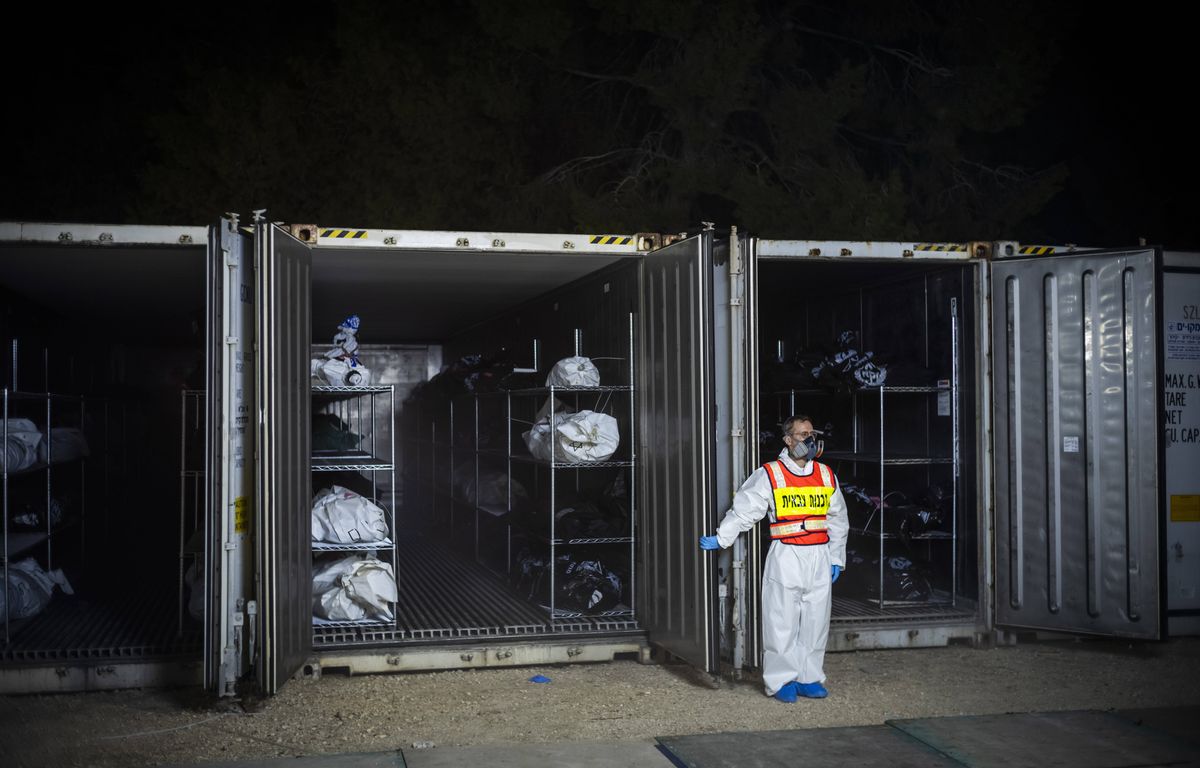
[801, 503]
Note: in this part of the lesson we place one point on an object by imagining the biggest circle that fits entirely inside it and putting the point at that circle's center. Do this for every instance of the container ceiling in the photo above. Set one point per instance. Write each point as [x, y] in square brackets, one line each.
[400, 296]
[429, 296]
[146, 293]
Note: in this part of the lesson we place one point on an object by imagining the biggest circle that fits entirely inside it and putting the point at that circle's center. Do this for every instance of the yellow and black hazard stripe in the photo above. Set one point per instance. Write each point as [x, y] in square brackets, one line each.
[942, 247]
[344, 234]
[1035, 250]
[610, 240]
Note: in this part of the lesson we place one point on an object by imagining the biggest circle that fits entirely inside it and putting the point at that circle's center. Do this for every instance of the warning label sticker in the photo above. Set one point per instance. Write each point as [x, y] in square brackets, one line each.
[1183, 339]
[1185, 509]
[241, 515]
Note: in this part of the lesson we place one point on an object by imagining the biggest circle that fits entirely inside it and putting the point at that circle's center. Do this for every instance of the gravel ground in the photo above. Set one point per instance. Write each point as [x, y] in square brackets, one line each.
[618, 701]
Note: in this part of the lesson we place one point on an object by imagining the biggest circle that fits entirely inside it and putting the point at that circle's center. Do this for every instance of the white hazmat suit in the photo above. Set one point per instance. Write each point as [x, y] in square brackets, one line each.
[797, 583]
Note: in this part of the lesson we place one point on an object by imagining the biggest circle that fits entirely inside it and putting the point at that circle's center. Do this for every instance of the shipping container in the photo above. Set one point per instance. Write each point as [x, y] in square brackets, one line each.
[995, 410]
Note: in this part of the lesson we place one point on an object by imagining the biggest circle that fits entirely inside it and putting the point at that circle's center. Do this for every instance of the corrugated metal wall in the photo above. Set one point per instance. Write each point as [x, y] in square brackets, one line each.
[1076, 383]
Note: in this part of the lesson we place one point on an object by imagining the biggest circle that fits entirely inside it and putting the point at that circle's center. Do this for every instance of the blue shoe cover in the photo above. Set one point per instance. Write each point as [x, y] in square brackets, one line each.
[811, 690]
[787, 694]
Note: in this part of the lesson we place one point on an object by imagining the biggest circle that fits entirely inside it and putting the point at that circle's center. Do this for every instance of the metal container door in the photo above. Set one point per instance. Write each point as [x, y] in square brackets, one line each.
[1077, 424]
[283, 490]
[228, 464]
[677, 588]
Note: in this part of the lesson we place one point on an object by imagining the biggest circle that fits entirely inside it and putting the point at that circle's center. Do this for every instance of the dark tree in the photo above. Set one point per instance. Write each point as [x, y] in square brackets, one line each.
[865, 120]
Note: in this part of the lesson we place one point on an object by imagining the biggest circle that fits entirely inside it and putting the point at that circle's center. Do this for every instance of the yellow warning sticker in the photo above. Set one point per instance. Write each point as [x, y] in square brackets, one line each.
[342, 234]
[942, 247]
[1035, 250]
[241, 515]
[1185, 509]
[610, 240]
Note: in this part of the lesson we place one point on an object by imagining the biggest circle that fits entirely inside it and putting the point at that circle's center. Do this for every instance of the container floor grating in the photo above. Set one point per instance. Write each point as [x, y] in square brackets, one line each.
[443, 596]
[848, 610]
[139, 625]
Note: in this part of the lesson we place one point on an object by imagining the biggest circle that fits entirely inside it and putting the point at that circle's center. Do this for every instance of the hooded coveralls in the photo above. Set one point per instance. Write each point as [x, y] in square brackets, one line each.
[796, 588]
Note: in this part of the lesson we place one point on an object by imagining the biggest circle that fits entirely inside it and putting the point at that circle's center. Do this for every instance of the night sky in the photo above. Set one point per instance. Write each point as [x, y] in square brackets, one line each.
[92, 95]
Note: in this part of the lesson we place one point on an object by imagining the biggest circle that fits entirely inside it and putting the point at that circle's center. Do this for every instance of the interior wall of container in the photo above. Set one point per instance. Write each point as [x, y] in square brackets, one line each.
[118, 333]
[486, 311]
[901, 315]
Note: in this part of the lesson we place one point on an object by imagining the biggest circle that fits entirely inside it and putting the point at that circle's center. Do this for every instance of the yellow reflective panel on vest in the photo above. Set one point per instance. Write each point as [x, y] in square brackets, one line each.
[792, 502]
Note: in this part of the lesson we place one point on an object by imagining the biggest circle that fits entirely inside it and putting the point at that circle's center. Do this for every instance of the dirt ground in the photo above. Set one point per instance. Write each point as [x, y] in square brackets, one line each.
[618, 701]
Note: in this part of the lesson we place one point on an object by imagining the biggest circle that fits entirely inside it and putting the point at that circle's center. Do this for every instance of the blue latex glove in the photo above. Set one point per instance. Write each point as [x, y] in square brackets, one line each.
[837, 571]
[709, 542]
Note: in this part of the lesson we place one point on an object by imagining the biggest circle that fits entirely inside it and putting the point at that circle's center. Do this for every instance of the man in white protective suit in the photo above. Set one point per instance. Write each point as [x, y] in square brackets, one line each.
[807, 554]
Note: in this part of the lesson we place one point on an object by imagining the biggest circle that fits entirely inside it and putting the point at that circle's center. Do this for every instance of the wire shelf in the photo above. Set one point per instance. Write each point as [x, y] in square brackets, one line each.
[367, 390]
[559, 613]
[891, 460]
[927, 536]
[539, 391]
[319, 623]
[341, 465]
[567, 465]
[365, 546]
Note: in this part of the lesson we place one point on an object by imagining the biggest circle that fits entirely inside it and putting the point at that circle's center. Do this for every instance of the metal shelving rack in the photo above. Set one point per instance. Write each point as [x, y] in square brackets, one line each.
[17, 543]
[882, 459]
[555, 467]
[191, 487]
[357, 409]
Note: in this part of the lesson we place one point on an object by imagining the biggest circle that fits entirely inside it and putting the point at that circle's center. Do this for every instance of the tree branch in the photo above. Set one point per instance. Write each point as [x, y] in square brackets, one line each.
[913, 60]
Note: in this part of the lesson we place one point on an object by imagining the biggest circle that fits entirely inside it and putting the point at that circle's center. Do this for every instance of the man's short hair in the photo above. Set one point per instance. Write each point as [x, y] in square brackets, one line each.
[790, 421]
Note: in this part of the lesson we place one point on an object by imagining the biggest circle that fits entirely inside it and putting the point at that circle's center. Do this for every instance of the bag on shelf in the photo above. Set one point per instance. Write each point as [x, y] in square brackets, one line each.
[32, 515]
[340, 373]
[540, 437]
[354, 588]
[587, 436]
[585, 585]
[494, 490]
[848, 368]
[595, 515]
[573, 372]
[65, 444]
[574, 438]
[902, 516]
[341, 516]
[330, 433]
[587, 520]
[29, 588]
[904, 579]
[21, 447]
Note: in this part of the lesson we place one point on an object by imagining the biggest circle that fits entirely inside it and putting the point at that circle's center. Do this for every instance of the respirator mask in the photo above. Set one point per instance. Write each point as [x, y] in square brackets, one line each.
[803, 450]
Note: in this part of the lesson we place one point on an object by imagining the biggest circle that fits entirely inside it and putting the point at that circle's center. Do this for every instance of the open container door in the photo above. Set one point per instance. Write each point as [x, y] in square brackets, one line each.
[228, 462]
[678, 590]
[1077, 407]
[282, 494]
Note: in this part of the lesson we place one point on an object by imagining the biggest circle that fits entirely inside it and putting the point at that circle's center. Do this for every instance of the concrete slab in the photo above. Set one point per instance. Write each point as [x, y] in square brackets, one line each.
[875, 746]
[1076, 739]
[568, 755]
[1181, 722]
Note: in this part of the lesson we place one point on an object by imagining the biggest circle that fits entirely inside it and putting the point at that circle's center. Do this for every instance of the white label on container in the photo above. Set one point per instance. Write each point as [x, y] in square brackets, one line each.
[1183, 335]
[1181, 396]
[943, 403]
[1071, 444]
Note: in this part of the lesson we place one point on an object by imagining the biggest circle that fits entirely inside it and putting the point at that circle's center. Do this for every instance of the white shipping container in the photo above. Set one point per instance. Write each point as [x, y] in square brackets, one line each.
[1024, 386]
